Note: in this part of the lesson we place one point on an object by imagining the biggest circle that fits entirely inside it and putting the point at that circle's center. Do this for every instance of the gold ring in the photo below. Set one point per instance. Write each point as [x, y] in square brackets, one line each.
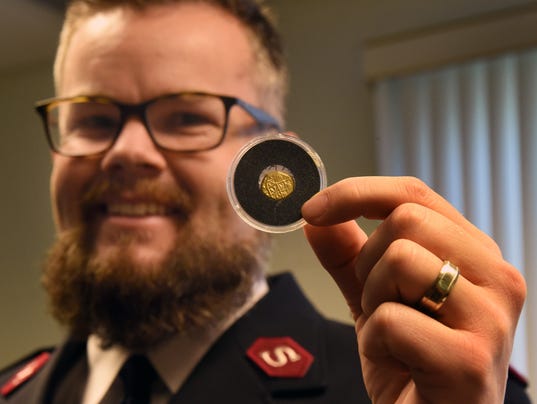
[435, 297]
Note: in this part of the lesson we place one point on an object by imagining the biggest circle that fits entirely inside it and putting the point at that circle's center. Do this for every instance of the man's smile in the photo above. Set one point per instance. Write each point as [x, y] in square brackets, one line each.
[138, 209]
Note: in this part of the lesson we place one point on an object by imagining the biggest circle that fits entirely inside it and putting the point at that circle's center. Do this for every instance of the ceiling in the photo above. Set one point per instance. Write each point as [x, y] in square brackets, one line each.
[28, 32]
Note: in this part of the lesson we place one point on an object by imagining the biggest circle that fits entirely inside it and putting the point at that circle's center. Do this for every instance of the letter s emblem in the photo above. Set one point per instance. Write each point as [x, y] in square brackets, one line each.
[280, 356]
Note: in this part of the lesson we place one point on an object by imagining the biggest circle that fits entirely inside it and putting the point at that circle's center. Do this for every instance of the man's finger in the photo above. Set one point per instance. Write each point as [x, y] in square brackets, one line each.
[376, 198]
[336, 248]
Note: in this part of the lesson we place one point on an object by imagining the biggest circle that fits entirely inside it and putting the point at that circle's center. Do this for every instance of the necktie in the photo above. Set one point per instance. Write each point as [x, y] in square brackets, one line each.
[137, 375]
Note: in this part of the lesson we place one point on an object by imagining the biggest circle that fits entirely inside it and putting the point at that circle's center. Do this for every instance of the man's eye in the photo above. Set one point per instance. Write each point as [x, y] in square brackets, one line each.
[97, 121]
[184, 123]
[92, 126]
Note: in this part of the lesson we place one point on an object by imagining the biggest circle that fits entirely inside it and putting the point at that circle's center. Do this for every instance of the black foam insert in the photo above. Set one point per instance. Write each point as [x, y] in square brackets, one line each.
[271, 153]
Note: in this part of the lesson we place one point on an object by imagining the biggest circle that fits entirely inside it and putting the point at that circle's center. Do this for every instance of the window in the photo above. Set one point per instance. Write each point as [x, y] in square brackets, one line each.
[464, 119]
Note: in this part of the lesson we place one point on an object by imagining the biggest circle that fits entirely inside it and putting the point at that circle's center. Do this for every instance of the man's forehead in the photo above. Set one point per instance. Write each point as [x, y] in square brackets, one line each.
[175, 42]
[161, 16]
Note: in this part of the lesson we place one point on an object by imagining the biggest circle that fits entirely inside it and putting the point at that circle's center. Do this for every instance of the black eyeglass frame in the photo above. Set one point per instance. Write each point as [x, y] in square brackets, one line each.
[262, 118]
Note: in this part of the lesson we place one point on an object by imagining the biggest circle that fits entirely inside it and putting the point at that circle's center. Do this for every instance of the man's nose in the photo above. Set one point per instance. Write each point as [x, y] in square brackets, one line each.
[134, 150]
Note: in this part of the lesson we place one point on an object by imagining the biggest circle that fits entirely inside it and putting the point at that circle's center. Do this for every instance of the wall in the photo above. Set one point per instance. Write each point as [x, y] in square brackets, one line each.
[328, 107]
[24, 213]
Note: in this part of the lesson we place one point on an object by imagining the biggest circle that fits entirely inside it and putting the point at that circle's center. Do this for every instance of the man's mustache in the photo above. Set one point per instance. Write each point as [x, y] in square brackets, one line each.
[103, 191]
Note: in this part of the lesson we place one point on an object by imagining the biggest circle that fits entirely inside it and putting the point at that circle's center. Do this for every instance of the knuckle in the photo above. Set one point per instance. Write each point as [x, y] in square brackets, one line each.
[477, 368]
[479, 360]
[385, 317]
[407, 217]
[492, 245]
[516, 281]
[514, 286]
[504, 330]
[400, 253]
[500, 328]
[417, 189]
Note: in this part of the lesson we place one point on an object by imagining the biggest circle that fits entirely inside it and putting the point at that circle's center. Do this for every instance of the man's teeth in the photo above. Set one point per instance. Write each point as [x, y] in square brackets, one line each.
[136, 209]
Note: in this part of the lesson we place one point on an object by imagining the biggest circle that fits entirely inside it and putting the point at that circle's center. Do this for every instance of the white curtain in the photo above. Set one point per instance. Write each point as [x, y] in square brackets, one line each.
[470, 132]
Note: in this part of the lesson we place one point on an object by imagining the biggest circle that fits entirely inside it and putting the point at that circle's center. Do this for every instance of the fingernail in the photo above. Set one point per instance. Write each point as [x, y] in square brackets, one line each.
[315, 207]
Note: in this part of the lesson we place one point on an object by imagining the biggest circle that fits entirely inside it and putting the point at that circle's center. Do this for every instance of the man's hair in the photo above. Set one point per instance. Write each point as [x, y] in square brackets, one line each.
[253, 14]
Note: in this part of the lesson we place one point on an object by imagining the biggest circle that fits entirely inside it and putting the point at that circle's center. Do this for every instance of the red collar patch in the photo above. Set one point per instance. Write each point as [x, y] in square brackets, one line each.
[25, 373]
[280, 357]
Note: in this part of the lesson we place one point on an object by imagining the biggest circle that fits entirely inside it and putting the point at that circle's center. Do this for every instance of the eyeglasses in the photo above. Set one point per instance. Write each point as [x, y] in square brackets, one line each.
[183, 122]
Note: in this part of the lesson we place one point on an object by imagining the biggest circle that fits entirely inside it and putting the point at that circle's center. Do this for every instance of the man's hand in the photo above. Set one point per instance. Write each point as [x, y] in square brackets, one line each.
[459, 355]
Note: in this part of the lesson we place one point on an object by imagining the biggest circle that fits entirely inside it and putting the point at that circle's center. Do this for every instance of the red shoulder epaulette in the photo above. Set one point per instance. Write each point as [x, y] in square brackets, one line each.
[24, 374]
[519, 377]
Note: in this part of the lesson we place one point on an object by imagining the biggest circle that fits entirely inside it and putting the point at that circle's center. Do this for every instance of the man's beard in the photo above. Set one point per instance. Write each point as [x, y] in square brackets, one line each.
[135, 305]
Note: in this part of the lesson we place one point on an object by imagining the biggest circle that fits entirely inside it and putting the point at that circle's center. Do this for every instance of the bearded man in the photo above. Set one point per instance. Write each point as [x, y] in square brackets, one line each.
[162, 286]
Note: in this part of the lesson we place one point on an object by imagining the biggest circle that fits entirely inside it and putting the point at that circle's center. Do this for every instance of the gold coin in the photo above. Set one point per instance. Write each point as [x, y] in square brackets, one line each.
[277, 184]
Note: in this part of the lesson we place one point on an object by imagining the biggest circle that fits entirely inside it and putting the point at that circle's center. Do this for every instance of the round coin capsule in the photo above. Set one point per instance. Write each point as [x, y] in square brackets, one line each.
[270, 179]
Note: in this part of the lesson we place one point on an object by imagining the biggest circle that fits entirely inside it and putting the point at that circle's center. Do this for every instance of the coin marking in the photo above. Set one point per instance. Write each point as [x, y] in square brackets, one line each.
[277, 182]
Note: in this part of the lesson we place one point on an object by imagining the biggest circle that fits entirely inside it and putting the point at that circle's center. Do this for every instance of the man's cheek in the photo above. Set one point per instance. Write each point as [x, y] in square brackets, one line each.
[66, 205]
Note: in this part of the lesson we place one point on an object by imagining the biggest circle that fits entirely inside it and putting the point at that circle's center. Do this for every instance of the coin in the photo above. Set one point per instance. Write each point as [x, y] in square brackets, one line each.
[277, 182]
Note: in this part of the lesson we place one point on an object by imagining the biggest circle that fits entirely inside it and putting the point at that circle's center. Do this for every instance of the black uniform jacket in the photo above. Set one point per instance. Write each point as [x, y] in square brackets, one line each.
[228, 375]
